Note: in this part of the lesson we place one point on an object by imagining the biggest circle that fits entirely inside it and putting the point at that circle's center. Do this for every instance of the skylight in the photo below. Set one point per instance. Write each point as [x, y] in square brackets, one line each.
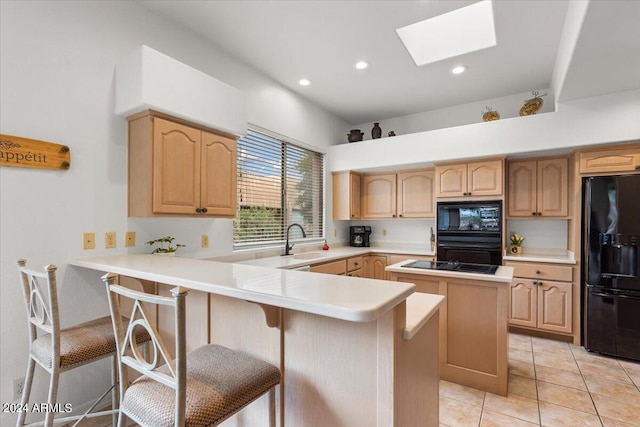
[461, 31]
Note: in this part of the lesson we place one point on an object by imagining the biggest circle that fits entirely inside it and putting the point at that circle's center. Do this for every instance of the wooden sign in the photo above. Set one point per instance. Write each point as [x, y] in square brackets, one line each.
[31, 153]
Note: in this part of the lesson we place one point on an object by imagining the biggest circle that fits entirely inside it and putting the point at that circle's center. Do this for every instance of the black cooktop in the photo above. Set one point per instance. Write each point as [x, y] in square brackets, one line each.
[453, 266]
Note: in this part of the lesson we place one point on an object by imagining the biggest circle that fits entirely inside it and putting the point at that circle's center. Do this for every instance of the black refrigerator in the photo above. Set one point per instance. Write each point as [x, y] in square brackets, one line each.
[610, 273]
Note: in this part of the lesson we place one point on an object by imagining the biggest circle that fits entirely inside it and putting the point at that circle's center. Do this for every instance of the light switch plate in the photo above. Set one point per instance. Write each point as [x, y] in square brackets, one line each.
[88, 241]
[205, 241]
[129, 239]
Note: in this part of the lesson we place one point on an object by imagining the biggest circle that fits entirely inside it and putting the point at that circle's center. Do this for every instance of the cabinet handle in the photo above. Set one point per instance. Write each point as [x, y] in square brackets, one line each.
[539, 213]
[198, 210]
[353, 215]
[393, 216]
[638, 167]
[537, 271]
[533, 214]
[204, 210]
[539, 282]
[400, 215]
[535, 282]
[355, 263]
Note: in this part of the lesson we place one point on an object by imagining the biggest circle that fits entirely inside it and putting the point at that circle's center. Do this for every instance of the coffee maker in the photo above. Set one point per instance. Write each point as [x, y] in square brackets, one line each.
[359, 235]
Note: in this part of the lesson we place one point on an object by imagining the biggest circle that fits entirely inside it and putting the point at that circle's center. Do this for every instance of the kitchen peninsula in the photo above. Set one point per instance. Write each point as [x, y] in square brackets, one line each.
[353, 351]
[473, 321]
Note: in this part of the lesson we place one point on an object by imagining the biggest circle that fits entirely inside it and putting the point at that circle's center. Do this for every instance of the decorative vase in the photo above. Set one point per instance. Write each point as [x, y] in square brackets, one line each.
[355, 135]
[515, 250]
[376, 132]
[392, 133]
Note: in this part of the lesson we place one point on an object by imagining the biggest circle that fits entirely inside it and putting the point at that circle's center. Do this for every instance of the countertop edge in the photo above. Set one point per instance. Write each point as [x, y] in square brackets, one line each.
[420, 309]
[323, 309]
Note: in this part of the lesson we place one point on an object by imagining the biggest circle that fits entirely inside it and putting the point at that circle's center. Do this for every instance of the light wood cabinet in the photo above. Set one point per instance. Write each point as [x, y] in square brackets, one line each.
[611, 160]
[176, 169]
[346, 195]
[482, 178]
[403, 195]
[374, 267]
[333, 267]
[379, 196]
[540, 297]
[415, 197]
[538, 188]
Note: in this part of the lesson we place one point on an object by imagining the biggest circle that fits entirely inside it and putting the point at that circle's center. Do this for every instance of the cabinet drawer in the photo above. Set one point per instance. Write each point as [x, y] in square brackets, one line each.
[354, 263]
[621, 160]
[542, 271]
[335, 267]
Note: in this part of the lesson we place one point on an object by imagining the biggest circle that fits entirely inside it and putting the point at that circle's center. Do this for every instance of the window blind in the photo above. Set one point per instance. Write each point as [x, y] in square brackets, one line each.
[279, 184]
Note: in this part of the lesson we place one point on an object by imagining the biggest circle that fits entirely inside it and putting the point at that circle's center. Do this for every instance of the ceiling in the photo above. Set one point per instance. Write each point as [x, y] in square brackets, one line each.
[322, 40]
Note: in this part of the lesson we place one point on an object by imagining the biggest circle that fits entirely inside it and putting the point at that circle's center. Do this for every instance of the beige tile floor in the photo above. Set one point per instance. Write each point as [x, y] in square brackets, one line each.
[551, 384]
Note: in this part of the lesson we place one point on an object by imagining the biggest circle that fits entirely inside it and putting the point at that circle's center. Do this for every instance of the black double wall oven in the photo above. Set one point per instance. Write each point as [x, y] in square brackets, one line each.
[470, 232]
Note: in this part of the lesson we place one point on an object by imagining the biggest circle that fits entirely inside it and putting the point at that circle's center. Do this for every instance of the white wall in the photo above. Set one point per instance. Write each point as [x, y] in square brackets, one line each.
[57, 64]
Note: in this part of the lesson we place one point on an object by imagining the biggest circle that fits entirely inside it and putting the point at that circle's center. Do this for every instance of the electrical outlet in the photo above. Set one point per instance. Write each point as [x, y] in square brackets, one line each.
[18, 388]
[384, 231]
[335, 232]
[110, 239]
[205, 241]
[129, 238]
[88, 241]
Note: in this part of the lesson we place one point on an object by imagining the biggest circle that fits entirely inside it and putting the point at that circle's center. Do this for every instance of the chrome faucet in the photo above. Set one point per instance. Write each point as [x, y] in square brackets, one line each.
[287, 247]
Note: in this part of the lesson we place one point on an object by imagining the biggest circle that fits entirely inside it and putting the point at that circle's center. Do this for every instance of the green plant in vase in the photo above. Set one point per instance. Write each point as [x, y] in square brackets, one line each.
[516, 243]
[165, 246]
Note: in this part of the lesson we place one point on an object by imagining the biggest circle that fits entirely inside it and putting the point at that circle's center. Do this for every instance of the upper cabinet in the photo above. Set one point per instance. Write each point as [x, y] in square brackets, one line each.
[482, 178]
[611, 160]
[538, 188]
[379, 196]
[415, 198]
[346, 195]
[403, 195]
[178, 169]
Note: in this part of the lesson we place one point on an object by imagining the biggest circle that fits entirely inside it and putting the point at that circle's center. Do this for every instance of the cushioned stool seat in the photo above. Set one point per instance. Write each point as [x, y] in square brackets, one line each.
[220, 381]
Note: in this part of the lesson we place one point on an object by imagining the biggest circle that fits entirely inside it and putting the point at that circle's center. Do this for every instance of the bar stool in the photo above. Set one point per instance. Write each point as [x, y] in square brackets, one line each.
[204, 387]
[60, 350]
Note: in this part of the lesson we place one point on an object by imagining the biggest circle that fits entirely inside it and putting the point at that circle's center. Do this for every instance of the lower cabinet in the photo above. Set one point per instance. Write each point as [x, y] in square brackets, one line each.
[374, 266]
[536, 302]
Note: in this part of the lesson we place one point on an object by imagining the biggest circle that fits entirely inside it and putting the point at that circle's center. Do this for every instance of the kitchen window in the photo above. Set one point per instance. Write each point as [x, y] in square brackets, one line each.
[279, 184]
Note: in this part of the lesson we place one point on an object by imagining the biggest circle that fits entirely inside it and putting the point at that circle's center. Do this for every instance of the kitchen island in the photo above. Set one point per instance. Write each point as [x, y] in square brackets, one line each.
[353, 351]
[473, 323]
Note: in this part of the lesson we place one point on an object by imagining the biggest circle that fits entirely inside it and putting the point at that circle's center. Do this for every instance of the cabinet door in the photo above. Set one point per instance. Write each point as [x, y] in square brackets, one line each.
[555, 306]
[523, 303]
[415, 194]
[622, 160]
[176, 168]
[374, 266]
[354, 195]
[553, 187]
[451, 180]
[379, 196]
[218, 175]
[522, 193]
[485, 178]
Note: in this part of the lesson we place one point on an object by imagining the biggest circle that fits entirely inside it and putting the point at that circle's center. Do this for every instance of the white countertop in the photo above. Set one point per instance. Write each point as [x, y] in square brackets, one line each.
[543, 255]
[314, 257]
[420, 308]
[503, 274]
[341, 297]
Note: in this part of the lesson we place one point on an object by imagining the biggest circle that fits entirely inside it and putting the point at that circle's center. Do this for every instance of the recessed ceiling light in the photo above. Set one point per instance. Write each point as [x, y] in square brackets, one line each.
[304, 82]
[459, 69]
[361, 65]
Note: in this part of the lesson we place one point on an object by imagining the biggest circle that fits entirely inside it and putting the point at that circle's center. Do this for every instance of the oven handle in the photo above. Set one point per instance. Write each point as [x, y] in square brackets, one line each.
[466, 245]
[607, 295]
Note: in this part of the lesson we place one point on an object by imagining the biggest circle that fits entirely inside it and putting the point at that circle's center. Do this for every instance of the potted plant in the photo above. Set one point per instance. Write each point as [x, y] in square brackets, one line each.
[516, 243]
[165, 246]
